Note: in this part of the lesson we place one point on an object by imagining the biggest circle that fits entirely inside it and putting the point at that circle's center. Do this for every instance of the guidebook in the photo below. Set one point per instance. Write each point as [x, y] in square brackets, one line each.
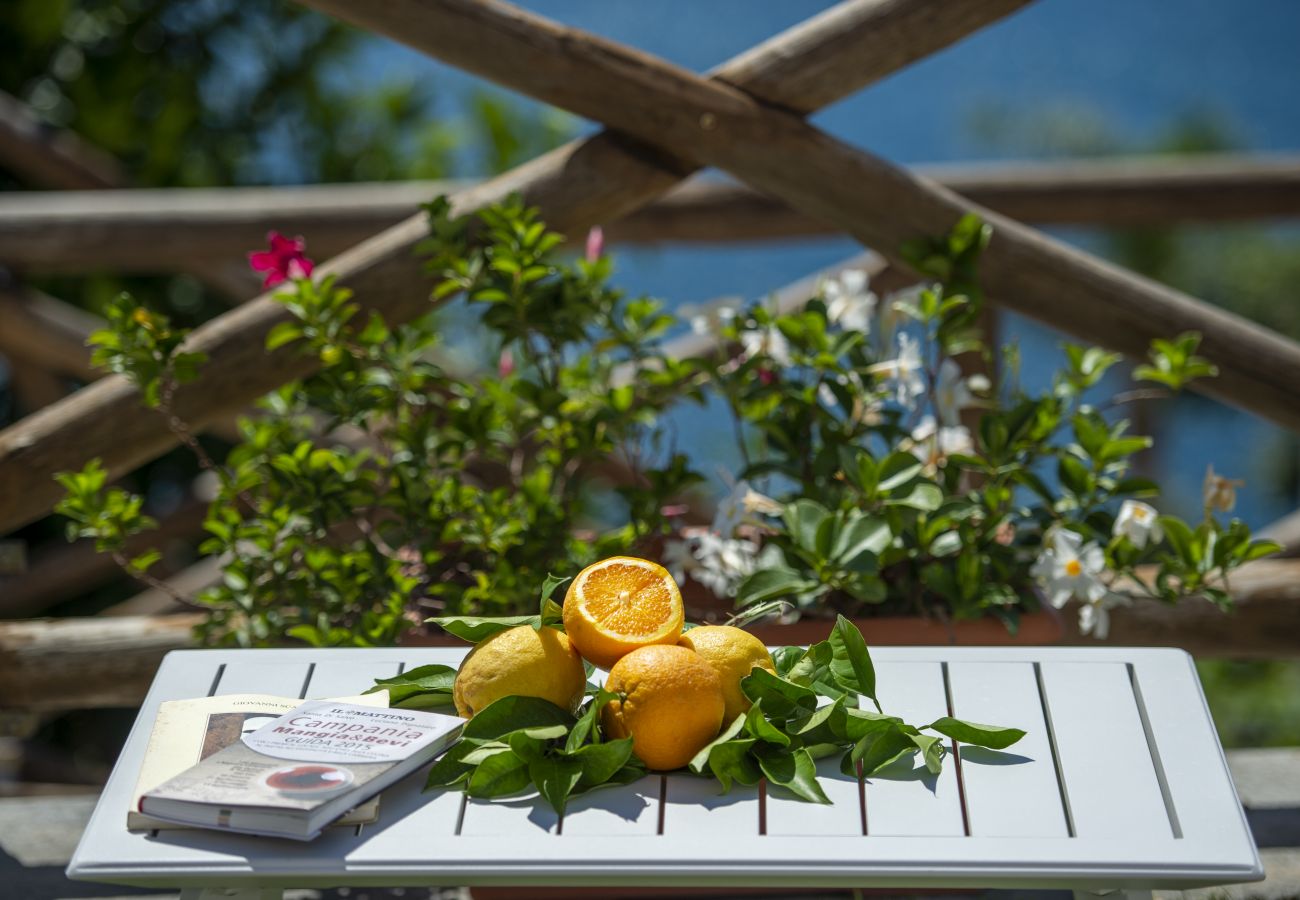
[297, 773]
[186, 732]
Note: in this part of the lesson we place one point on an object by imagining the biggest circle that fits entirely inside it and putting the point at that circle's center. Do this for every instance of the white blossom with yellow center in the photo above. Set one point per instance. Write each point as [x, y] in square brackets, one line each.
[1137, 521]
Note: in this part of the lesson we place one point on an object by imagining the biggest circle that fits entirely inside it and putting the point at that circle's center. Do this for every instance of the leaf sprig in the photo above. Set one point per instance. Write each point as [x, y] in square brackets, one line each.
[806, 710]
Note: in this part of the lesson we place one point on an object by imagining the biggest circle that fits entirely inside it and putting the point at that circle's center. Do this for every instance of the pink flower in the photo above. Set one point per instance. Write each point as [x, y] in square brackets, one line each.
[767, 377]
[506, 363]
[284, 260]
[595, 243]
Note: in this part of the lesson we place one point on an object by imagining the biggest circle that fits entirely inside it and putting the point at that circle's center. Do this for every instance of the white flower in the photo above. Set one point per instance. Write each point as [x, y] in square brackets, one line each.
[742, 506]
[904, 373]
[952, 392]
[720, 564]
[1137, 522]
[1066, 569]
[1220, 493]
[849, 303]
[1094, 617]
[932, 447]
[710, 318]
[768, 341]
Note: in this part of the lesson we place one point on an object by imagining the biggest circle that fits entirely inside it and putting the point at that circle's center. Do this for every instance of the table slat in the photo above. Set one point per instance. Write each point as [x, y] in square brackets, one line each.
[787, 814]
[283, 677]
[521, 818]
[694, 808]
[1009, 793]
[337, 678]
[906, 799]
[630, 810]
[1203, 798]
[1111, 786]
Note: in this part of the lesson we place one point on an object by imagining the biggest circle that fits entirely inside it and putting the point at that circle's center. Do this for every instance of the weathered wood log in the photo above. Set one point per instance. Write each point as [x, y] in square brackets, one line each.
[121, 231]
[51, 664]
[595, 180]
[878, 203]
[1286, 531]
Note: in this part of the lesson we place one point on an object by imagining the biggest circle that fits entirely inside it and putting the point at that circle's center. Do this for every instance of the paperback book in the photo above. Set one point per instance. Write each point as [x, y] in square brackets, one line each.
[299, 772]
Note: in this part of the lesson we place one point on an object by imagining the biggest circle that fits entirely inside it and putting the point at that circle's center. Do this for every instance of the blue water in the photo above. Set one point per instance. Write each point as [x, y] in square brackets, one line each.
[1129, 69]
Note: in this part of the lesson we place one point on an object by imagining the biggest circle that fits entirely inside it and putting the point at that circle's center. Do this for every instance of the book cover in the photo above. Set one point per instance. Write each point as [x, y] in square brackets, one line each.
[186, 732]
[298, 772]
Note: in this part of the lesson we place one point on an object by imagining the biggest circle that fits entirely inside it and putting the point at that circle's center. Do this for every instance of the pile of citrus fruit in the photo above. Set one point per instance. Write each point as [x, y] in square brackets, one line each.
[676, 688]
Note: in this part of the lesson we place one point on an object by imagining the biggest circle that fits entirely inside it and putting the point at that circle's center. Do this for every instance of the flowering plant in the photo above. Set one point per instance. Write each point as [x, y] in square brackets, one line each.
[393, 485]
[894, 482]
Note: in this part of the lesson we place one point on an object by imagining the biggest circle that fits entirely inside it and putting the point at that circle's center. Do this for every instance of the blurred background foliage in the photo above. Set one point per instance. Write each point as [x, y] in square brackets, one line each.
[191, 93]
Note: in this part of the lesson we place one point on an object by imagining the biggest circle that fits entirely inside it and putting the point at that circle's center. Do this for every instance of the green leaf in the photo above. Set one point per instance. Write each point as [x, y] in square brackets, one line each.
[701, 759]
[863, 534]
[760, 728]
[851, 665]
[881, 747]
[555, 777]
[995, 737]
[499, 776]
[587, 724]
[781, 699]
[811, 665]
[771, 584]
[898, 469]
[1180, 537]
[922, 495]
[802, 519]
[549, 611]
[476, 628]
[601, 761]
[733, 761]
[793, 770]
[420, 687]
[932, 750]
[513, 714]
[452, 767]
[1074, 475]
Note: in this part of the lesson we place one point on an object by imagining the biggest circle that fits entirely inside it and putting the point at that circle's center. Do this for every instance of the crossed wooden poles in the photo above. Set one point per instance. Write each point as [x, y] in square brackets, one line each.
[746, 118]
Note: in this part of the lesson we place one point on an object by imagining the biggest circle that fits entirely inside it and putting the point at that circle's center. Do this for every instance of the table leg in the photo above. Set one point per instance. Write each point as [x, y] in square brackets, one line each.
[245, 893]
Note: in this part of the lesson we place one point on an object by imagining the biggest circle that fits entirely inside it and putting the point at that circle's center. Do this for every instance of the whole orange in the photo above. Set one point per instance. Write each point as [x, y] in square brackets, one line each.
[671, 704]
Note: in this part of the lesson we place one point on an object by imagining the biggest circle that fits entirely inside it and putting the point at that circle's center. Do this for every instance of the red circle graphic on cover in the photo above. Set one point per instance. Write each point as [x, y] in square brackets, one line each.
[308, 779]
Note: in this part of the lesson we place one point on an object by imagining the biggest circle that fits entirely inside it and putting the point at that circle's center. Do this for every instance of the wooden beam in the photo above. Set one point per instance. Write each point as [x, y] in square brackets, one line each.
[41, 330]
[86, 663]
[50, 157]
[60, 160]
[878, 203]
[170, 230]
[584, 183]
[60, 571]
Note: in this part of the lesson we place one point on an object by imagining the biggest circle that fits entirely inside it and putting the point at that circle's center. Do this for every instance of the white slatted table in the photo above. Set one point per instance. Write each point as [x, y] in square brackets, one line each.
[1119, 783]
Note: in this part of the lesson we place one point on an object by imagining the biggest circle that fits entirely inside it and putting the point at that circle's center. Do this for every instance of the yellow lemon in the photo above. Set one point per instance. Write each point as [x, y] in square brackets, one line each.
[521, 662]
[733, 653]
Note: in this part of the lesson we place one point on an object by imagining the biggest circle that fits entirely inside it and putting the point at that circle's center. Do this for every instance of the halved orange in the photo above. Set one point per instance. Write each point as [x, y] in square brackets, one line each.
[619, 604]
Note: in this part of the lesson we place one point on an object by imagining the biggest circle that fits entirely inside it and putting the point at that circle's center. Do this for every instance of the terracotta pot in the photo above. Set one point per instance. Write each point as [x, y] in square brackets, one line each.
[1042, 627]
